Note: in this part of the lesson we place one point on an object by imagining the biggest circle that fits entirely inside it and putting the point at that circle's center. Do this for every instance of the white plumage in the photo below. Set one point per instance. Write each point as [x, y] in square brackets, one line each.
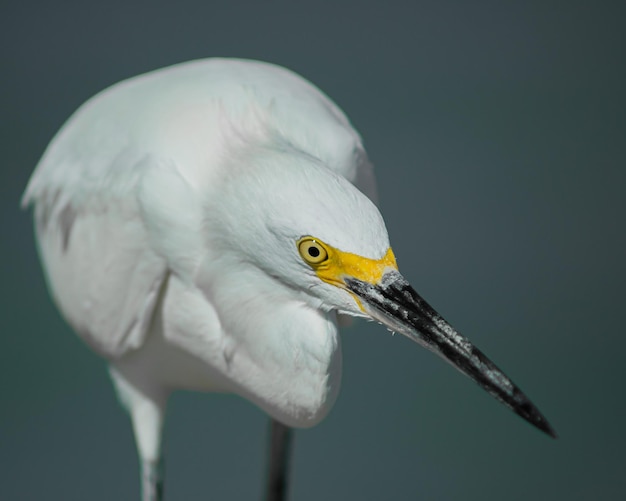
[169, 211]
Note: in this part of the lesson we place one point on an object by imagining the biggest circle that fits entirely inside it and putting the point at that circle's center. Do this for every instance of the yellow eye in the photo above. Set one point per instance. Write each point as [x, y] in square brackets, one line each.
[312, 251]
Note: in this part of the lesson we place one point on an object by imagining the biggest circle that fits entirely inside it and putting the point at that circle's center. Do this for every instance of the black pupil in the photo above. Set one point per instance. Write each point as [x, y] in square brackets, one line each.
[314, 252]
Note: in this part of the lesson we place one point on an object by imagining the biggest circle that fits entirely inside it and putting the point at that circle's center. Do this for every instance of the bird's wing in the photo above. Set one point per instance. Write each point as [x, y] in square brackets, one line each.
[95, 245]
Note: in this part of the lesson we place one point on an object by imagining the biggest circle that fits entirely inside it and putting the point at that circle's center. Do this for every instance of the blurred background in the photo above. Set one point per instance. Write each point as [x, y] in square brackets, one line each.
[498, 132]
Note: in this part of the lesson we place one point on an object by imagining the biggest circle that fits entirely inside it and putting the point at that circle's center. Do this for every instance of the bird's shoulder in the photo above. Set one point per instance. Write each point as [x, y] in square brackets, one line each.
[192, 113]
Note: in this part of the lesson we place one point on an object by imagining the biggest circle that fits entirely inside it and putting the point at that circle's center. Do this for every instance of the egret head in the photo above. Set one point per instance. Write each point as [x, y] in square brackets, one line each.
[277, 214]
[313, 231]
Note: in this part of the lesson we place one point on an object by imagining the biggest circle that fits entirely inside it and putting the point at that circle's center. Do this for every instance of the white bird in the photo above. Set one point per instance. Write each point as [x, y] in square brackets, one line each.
[204, 227]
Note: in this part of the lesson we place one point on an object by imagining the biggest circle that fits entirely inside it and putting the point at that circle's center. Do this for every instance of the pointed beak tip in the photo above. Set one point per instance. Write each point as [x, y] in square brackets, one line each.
[546, 427]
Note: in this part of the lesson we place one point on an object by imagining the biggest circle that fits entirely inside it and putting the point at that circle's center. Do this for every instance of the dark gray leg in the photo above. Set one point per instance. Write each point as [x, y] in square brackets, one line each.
[278, 472]
[152, 481]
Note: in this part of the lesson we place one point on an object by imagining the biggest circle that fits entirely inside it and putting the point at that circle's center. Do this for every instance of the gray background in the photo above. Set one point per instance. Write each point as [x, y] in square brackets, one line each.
[497, 130]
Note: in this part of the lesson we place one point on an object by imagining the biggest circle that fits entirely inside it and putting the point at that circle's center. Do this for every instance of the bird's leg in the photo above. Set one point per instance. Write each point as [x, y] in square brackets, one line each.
[146, 407]
[152, 475]
[278, 472]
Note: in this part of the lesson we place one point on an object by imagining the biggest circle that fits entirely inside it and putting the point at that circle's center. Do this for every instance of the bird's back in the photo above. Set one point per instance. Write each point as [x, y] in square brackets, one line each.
[134, 162]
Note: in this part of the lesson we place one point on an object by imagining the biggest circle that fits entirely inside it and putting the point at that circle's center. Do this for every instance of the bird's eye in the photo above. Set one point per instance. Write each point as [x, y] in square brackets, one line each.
[312, 251]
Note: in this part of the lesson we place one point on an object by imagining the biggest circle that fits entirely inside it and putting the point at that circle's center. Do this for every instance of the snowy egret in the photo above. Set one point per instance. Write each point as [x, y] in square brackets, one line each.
[205, 226]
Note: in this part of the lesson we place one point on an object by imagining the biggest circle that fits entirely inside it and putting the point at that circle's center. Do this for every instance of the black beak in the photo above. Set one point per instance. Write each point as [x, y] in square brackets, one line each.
[394, 303]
